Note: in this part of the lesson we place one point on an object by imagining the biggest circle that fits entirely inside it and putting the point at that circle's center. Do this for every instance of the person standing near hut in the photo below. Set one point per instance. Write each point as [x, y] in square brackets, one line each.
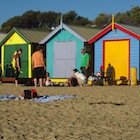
[102, 71]
[17, 64]
[38, 66]
[84, 62]
[109, 74]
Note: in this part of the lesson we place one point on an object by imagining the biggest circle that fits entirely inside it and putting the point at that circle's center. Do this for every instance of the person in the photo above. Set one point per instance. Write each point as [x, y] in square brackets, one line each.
[72, 81]
[13, 63]
[109, 74]
[17, 64]
[84, 62]
[102, 71]
[81, 78]
[38, 66]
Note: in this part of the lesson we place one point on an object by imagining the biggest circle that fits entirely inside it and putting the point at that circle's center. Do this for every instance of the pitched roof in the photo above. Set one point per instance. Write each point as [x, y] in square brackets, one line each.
[2, 35]
[86, 32]
[57, 29]
[132, 28]
[133, 31]
[33, 36]
[28, 35]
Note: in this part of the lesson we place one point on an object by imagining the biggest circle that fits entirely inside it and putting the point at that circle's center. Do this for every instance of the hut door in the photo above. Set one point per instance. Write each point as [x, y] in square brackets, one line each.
[64, 59]
[116, 52]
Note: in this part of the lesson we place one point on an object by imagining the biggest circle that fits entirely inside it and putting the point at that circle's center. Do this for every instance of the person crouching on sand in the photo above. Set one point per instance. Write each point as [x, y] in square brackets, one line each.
[81, 78]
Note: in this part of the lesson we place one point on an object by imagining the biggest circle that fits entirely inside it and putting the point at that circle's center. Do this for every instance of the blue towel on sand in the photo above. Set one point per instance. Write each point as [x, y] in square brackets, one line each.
[8, 97]
[44, 99]
[41, 99]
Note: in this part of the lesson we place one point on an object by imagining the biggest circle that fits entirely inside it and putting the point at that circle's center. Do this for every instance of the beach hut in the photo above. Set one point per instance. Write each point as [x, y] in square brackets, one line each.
[118, 45]
[27, 40]
[2, 35]
[63, 49]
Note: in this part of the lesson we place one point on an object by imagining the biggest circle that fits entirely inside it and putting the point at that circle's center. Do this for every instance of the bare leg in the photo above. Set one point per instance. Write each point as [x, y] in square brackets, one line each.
[16, 83]
[40, 82]
[35, 82]
[16, 78]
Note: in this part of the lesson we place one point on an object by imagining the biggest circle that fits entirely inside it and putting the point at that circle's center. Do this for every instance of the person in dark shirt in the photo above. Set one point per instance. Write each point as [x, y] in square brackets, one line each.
[17, 65]
[109, 74]
[102, 71]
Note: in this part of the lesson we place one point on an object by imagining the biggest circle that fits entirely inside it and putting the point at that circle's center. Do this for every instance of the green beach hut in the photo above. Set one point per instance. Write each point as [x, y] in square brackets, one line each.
[27, 40]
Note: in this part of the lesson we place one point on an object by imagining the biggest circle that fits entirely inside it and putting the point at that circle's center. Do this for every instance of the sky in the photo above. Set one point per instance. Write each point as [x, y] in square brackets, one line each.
[86, 8]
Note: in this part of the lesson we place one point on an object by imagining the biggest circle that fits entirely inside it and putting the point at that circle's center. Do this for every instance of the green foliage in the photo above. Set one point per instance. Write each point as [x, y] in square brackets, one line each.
[102, 20]
[46, 20]
[131, 17]
[43, 20]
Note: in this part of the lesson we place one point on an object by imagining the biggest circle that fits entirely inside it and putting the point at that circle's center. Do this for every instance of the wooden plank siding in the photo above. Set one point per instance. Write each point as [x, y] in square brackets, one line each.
[115, 35]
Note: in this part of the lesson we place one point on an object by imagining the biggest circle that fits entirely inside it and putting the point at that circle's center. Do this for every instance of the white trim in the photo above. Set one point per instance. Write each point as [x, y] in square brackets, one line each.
[61, 26]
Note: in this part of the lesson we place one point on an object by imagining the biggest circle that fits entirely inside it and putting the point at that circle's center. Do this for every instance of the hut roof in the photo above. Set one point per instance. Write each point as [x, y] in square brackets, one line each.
[135, 29]
[2, 36]
[57, 29]
[30, 36]
[86, 32]
[131, 30]
[33, 36]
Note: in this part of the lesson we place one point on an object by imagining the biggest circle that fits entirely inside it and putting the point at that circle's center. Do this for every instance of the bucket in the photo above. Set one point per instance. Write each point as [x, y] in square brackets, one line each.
[133, 76]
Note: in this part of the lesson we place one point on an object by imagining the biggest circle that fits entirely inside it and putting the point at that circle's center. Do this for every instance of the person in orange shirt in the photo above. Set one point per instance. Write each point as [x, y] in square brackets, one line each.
[38, 66]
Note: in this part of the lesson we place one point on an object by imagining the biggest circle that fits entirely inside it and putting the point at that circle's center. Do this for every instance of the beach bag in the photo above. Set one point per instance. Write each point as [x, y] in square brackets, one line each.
[74, 82]
[34, 93]
[29, 94]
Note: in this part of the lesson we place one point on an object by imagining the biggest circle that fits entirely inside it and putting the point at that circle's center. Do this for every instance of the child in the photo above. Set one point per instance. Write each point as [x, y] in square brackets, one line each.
[80, 77]
[72, 82]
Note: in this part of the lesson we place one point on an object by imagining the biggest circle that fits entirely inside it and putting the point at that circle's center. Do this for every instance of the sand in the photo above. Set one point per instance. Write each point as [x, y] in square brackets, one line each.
[96, 113]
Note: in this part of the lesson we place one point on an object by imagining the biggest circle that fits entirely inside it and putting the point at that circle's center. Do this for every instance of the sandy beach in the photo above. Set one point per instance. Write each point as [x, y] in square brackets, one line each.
[96, 113]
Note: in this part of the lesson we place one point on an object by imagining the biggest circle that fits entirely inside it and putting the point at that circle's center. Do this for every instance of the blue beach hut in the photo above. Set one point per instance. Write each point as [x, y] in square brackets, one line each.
[63, 51]
[118, 45]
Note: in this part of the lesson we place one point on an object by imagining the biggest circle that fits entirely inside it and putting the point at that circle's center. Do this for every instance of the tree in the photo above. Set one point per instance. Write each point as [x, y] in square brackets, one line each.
[12, 22]
[70, 17]
[135, 16]
[47, 20]
[123, 18]
[102, 20]
[131, 17]
[81, 21]
[29, 19]
[43, 20]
